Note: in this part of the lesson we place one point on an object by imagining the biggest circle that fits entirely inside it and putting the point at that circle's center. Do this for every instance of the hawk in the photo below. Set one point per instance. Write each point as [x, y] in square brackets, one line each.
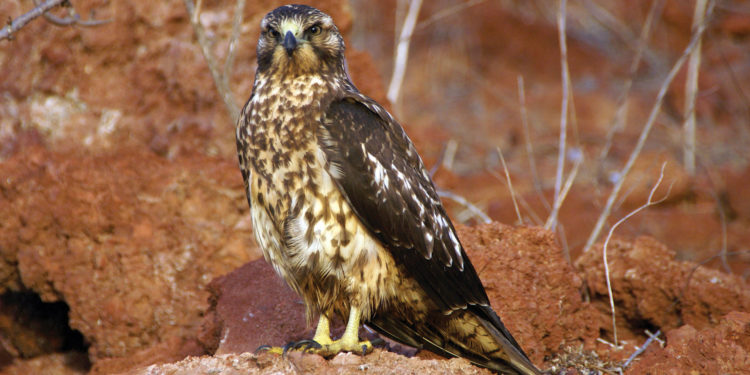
[345, 211]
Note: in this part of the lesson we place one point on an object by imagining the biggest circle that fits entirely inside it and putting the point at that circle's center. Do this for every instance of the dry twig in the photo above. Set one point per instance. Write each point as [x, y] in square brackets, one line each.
[618, 122]
[402, 51]
[221, 84]
[645, 132]
[642, 348]
[552, 219]
[510, 186]
[446, 12]
[42, 9]
[464, 202]
[691, 91]
[527, 140]
[535, 219]
[564, 107]
[649, 202]
[229, 62]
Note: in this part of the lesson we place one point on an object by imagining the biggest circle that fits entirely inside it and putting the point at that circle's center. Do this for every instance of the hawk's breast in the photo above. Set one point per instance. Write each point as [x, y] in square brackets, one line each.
[302, 222]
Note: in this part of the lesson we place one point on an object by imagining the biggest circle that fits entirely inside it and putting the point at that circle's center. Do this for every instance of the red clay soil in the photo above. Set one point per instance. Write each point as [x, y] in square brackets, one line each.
[128, 241]
[652, 289]
[721, 349]
[379, 362]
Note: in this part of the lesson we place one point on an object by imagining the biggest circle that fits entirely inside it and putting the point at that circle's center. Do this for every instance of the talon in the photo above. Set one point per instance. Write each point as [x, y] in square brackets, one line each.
[262, 348]
[269, 349]
[377, 342]
[286, 348]
[307, 345]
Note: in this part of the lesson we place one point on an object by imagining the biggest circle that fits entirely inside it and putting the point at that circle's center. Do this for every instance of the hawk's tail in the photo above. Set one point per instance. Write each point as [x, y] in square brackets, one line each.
[476, 334]
[504, 341]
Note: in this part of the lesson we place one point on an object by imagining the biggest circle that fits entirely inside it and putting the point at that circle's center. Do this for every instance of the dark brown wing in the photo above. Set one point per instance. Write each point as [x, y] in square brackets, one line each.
[381, 175]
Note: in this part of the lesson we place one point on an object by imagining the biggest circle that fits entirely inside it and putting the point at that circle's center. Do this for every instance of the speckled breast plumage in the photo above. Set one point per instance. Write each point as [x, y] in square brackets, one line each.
[304, 226]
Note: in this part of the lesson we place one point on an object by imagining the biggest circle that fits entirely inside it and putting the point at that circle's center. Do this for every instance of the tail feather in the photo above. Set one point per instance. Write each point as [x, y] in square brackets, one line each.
[476, 334]
[512, 351]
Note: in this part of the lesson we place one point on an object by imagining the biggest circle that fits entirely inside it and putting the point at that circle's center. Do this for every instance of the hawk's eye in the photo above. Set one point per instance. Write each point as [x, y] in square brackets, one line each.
[314, 30]
[273, 33]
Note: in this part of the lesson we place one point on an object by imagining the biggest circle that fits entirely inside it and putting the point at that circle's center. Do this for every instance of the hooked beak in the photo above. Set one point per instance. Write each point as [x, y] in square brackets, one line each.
[290, 42]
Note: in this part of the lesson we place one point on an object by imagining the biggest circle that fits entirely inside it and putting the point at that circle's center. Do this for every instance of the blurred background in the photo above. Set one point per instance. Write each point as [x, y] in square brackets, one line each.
[460, 102]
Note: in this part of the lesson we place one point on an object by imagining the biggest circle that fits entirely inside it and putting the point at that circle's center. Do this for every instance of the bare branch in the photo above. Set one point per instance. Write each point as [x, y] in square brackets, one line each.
[229, 63]
[42, 9]
[618, 122]
[510, 186]
[691, 92]
[645, 132]
[649, 202]
[698, 265]
[535, 219]
[446, 12]
[464, 202]
[564, 107]
[552, 219]
[226, 94]
[642, 348]
[527, 141]
[449, 154]
[402, 51]
[15, 25]
[74, 19]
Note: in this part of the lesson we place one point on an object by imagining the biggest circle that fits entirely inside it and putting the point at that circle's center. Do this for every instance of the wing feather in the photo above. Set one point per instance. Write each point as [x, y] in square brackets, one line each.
[378, 170]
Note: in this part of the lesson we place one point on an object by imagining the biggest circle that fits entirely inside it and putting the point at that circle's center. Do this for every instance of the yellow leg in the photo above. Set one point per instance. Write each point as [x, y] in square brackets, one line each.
[323, 332]
[349, 341]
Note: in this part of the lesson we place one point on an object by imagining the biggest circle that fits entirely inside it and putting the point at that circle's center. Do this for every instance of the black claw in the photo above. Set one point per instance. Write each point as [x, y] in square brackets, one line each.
[262, 348]
[364, 350]
[306, 345]
[286, 348]
[377, 342]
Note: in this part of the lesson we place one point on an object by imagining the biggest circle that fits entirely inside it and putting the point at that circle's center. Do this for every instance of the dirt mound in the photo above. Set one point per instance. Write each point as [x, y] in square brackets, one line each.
[128, 240]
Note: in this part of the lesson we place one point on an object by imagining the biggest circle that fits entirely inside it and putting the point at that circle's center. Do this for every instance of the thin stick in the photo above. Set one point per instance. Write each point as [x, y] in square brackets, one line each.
[74, 19]
[446, 12]
[43, 10]
[618, 122]
[564, 107]
[229, 62]
[644, 133]
[695, 268]
[723, 216]
[449, 154]
[642, 349]
[510, 186]
[723, 251]
[564, 242]
[691, 91]
[402, 51]
[649, 202]
[527, 140]
[535, 219]
[232, 109]
[552, 219]
[462, 201]
[16, 24]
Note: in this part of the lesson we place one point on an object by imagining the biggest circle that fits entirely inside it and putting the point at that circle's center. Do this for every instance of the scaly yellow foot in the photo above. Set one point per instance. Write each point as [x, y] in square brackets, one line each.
[323, 345]
[349, 341]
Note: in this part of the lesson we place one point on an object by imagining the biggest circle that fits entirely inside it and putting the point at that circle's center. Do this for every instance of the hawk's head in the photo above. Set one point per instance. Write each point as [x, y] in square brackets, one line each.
[298, 39]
